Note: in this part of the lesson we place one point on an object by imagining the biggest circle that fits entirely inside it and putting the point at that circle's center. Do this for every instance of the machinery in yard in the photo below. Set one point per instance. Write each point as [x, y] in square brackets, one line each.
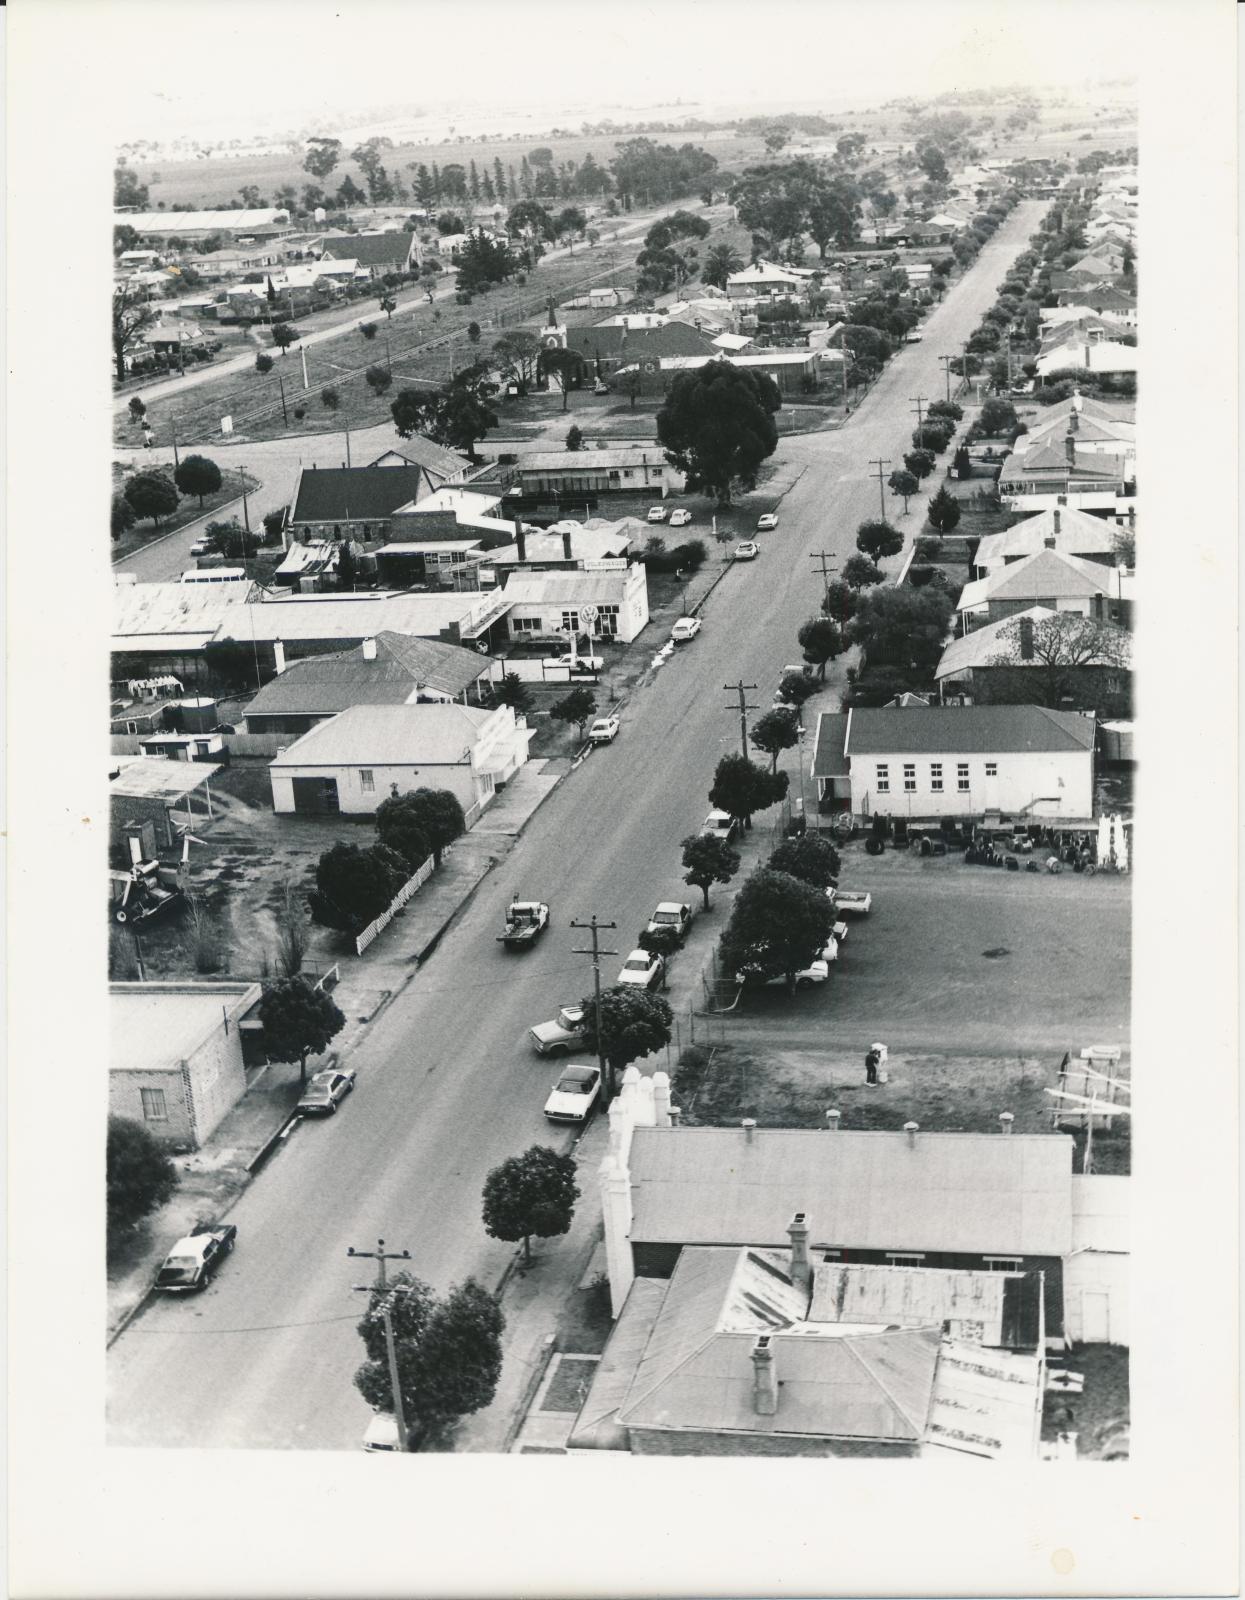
[141, 892]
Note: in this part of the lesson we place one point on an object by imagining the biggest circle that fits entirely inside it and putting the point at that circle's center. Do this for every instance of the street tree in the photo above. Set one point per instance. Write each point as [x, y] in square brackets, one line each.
[741, 787]
[529, 219]
[264, 363]
[575, 708]
[877, 540]
[630, 383]
[138, 409]
[122, 517]
[920, 463]
[378, 379]
[566, 366]
[717, 426]
[388, 305]
[322, 156]
[943, 511]
[400, 827]
[905, 484]
[777, 926]
[997, 417]
[821, 640]
[197, 475]
[839, 600]
[152, 494]
[515, 355]
[568, 225]
[859, 572]
[531, 1194]
[796, 688]
[369, 330]
[456, 415]
[634, 1023]
[299, 1020]
[935, 436]
[448, 1352]
[439, 814]
[231, 540]
[809, 857]
[284, 335]
[131, 317]
[140, 1176]
[473, 332]
[574, 437]
[708, 860]
[902, 627]
[354, 884]
[776, 731]
[513, 692]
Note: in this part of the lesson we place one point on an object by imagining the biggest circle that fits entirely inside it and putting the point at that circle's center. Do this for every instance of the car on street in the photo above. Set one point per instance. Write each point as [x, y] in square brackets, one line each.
[574, 1095]
[684, 629]
[766, 522]
[749, 550]
[581, 663]
[815, 972]
[657, 513]
[525, 921]
[382, 1433]
[912, 338]
[676, 914]
[325, 1092]
[201, 547]
[642, 970]
[604, 730]
[680, 518]
[559, 1037]
[720, 825]
[853, 902]
[193, 1262]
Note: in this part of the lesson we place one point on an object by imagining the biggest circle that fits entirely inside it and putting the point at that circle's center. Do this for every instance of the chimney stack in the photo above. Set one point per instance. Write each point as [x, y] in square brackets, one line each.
[1026, 638]
[1069, 447]
[912, 1129]
[278, 656]
[801, 1270]
[1056, 518]
[1006, 1118]
[676, 1116]
[520, 538]
[566, 544]
[833, 1119]
[749, 1126]
[764, 1381]
[1049, 542]
[369, 649]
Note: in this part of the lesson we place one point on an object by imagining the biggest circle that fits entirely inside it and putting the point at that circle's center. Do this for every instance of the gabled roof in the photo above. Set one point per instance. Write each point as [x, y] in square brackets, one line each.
[371, 249]
[1045, 575]
[361, 494]
[978, 648]
[966, 730]
[1075, 533]
[963, 1192]
[564, 588]
[638, 344]
[394, 736]
[402, 666]
[1052, 457]
[581, 460]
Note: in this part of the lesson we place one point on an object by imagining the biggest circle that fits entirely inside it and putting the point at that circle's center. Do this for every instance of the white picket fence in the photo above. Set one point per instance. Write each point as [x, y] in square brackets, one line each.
[376, 928]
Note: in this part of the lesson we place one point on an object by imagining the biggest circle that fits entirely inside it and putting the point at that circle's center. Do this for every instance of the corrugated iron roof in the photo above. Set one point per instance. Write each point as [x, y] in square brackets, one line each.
[967, 730]
[421, 735]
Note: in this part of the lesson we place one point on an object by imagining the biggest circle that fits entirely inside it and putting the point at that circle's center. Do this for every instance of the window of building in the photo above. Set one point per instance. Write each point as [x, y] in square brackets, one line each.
[884, 778]
[935, 776]
[1002, 1263]
[525, 625]
[992, 769]
[961, 777]
[831, 1255]
[366, 780]
[909, 777]
[154, 1107]
[569, 622]
[905, 1258]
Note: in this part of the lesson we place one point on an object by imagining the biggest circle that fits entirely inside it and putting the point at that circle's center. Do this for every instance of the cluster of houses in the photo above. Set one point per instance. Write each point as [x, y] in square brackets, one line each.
[1093, 328]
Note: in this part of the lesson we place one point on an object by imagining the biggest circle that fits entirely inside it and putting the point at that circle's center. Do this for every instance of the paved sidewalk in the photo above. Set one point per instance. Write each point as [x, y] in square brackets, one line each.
[213, 1177]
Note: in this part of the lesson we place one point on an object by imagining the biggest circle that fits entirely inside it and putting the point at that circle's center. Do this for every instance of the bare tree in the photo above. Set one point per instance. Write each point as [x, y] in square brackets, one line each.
[291, 931]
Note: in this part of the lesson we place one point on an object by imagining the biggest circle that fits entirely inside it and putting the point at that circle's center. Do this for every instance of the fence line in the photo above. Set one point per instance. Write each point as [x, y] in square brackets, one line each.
[375, 928]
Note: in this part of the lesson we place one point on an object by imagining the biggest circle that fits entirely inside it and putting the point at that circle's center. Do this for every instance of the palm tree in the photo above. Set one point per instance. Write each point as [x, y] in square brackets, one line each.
[721, 262]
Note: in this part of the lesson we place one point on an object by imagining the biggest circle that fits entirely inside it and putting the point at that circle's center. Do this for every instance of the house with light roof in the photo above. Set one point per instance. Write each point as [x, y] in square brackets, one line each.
[1049, 578]
[1070, 532]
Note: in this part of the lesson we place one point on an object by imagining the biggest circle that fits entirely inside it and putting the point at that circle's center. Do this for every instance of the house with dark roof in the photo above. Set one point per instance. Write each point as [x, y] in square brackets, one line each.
[608, 346]
[391, 669]
[1041, 655]
[956, 761]
[357, 502]
[378, 253]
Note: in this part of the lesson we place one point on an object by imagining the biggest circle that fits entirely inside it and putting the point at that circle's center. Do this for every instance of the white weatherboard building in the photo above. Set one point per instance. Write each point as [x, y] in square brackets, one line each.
[957, 761]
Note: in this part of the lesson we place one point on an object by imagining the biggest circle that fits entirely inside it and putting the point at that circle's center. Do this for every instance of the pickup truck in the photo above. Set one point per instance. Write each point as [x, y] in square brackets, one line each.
[526, 920]
[562, 1035]
[853, 902]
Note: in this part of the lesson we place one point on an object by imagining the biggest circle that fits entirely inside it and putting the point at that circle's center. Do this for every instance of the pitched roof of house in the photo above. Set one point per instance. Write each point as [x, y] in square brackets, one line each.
[1046, 574]
[609, 341]
[389, 736]
[587, 544]
[1075, 533]
[1052, 457]
[336, 494]
[564, 588]
[403, 664]
[966, 1192]
[979, 648]
[371, 249]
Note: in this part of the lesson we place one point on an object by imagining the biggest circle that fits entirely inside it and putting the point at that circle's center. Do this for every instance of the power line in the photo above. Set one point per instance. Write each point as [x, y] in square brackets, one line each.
[881, 464]
[741, 689]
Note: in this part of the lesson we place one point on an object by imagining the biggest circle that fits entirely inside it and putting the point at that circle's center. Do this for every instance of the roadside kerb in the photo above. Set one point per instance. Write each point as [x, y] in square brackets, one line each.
[151, 544]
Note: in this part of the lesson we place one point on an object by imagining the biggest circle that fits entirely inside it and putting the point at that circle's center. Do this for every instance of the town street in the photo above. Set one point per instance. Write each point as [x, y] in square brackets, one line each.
[447, 1083]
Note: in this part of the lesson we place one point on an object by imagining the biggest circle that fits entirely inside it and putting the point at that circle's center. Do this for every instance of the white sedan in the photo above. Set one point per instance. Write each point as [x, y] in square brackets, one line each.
[816, 972]
[657, 514]
[574, 1095]
[680, 518]
[581, 663]
[768, 521]
[749, 550]
[642, 969]
[684, 629]
[604, 730]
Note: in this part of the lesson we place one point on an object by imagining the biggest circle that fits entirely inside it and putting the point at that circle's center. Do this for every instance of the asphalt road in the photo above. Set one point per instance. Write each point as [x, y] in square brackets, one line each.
[447, 1085]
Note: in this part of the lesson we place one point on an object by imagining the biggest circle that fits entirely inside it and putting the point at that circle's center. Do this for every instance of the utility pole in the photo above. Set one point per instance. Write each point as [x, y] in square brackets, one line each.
[302, 350]
[827, 561]
[741, 689]
[881, 464]
[379, 1256]
[177, 460]
[594, 927]
[919, 402]
[946, 368]
[347, 444]
[246, 517]
[284, 413]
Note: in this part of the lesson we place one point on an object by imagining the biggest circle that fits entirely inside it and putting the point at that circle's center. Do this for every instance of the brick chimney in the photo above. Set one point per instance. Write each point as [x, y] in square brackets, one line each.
[797, 1232]
[764, 1379]
[1069, 447]
[1026, 638]
[750, 1127]
[566, 544]
[1056, 520]
[278, 656]
[520, 538]
[369, 649]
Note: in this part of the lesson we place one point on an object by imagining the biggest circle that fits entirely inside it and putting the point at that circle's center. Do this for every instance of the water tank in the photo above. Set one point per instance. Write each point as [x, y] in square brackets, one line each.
[1115, 741]
[197, 714]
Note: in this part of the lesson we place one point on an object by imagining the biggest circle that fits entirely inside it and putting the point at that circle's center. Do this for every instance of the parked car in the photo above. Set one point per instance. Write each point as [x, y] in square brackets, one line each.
[604, 730]
[766, 522]
[684, 629]
[193, 1262]
[853, 902]
[657, 513]
[581, 662]
[912, 338]
[674, 914]
[680, 518]
[574, 1095]
[642, 969]
[382, 1433]
[201, 547]
[749, 550]
[817, 971]
[720, 825]
[562, 1035]
[326, 1091]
